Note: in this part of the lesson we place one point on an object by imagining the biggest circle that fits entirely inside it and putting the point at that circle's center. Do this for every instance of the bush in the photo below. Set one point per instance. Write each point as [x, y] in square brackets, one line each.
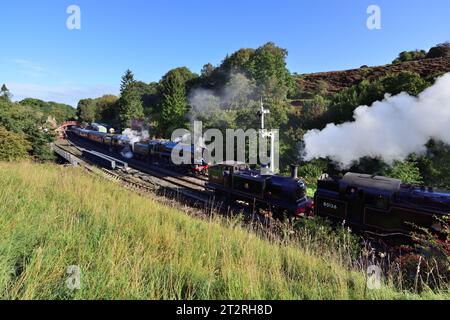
[410, 56]
[407, 171]
[40, 142]
[435, 165]
[441, 50]
[311, 171]
[13, 146]
[29, 125]
[406, 81]
[427, 266]
[313, 111]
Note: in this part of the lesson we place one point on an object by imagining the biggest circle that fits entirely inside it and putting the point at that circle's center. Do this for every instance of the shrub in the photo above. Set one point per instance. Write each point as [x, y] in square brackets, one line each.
[406, 81]
[13, 146]
[407, 171]
[410, 56]
[441, 50]
[429, 265]
[311, 171]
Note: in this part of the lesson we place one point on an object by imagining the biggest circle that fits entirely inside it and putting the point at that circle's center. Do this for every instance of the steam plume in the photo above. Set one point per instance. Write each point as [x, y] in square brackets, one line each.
[136, 136]
[133, 136]
[390, 129]
[237, 93]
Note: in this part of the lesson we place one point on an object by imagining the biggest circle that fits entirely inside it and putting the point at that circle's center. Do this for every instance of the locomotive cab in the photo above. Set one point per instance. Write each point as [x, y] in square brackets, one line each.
[220, 174]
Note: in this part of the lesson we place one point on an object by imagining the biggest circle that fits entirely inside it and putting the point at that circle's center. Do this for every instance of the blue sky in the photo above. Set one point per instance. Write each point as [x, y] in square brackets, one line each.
[40, 57]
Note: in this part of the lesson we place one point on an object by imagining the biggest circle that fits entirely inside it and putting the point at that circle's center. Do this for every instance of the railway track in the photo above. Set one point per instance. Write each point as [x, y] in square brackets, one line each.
[140, 181]
[182, 180]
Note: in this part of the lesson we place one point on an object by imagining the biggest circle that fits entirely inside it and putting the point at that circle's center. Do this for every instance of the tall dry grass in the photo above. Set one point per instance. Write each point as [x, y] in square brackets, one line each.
[131, 247]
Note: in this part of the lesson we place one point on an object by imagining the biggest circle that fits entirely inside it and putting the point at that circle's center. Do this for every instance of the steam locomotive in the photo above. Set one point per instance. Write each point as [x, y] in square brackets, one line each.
[381, 205]
[152, 151]
[278, 195]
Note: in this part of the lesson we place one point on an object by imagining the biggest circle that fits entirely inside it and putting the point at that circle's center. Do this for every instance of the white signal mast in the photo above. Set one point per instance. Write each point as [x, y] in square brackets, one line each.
[267, 134]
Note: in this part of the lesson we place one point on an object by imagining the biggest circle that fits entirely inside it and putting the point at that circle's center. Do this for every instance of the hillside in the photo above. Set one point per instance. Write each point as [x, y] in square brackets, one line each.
[128, 246]
[338, 80]
[59, 111]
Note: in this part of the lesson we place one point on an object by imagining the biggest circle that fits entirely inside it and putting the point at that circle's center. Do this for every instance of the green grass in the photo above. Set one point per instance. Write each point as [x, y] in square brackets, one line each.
[131, 247]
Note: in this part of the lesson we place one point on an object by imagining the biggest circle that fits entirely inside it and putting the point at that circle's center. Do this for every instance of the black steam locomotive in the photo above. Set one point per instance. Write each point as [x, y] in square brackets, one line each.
[152, 151]
[160, 151]
[381, 205]
[278, 195]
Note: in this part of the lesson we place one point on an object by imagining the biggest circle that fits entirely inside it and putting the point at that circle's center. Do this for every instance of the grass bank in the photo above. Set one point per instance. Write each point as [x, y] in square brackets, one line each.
[130, 247]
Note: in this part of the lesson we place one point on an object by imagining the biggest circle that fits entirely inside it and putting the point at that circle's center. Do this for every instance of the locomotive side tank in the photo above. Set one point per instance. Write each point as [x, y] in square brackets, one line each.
[141, 150]
[380, 204]
[120, 142]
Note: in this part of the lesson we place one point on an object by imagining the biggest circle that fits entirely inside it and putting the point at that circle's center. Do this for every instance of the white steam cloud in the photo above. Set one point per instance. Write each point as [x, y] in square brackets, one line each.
[391, 129]
[237, 93]
[136, 136]
[133, 137]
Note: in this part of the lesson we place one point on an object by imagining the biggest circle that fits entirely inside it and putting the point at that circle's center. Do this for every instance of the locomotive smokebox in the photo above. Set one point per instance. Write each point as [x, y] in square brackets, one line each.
[294, 171]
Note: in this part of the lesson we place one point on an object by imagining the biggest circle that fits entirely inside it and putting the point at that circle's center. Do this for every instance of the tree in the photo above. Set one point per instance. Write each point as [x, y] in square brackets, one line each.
[61, 112]
[174, 105]
[207, 70]
[274, 81]
[239, 61]
[130, 107]
[435, 165]
[312, 113]
[25, 125]
[127, 79]
[130, 102]
[40, 141]
[107, 109]
[268, 63]
[266, 66]
[5, 94]
[407, 171]
[13, 146]
[87, 110]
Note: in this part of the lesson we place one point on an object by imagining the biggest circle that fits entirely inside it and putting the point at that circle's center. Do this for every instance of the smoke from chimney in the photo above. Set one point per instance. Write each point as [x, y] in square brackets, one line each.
[238, 92]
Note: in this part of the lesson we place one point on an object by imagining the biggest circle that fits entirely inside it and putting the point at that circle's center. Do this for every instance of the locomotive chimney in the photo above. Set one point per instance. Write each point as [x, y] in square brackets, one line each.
[294, 171]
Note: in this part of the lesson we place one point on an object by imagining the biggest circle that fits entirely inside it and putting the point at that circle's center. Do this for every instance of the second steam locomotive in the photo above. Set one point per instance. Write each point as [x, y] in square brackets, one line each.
[151, 151]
